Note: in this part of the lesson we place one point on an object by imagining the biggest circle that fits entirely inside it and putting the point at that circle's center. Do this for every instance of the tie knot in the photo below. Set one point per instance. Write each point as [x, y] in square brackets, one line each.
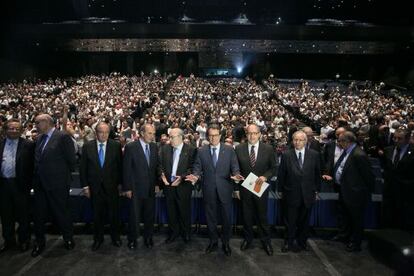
[252, 147]
[214, 149]
[101, 145]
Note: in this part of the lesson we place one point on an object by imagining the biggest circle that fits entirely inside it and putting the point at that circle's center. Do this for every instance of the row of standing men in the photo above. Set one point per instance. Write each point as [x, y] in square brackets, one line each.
[179, 166]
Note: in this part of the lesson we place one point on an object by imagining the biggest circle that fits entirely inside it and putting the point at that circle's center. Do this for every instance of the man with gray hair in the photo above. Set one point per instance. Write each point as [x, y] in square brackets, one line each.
[299, 182]
[176, 159]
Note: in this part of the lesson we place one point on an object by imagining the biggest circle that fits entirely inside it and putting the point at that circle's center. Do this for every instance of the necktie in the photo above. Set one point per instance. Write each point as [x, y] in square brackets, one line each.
[300, 160]
[214, 156]
[338, 163]
[396, 156]
[175, 165]
[8, 166]
[39, 150]
[147, 154]
[101, 155]
[252, 157]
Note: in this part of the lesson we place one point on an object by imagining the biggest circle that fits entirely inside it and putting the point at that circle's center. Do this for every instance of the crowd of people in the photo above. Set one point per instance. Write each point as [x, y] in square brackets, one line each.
[176, 131]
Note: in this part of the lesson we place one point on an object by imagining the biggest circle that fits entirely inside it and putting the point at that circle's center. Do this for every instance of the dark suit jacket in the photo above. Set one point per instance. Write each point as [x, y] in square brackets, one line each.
[107, 178]
[185, 165]
[24, 163]
[265, 160]
[217, 177]
[403, 172]
[357, 178]
[329, 156]
[296, 183]
[56, 163]
[137, 176]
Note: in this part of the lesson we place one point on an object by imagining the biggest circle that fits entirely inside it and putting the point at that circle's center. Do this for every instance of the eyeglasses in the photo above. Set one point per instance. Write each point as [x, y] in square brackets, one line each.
[214, 135]
[175, 136]
[253, 133]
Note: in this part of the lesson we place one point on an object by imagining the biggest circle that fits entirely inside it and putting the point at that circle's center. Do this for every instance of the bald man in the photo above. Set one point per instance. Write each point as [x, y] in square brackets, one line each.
[177, 160]
[55, 159]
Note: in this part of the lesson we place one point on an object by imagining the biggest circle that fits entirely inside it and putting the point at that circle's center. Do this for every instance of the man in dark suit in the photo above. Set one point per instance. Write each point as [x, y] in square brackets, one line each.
[15, 182]
[217, 164]
[55, 159]
[354, 176]
[100, 175]
[332, 152]
[299, 183]
[258, 158]
[176, 161]
[398, 164]
[140, 176]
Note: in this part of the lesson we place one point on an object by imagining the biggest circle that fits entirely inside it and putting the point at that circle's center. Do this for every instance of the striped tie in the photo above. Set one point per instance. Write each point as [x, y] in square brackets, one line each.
[252, 157]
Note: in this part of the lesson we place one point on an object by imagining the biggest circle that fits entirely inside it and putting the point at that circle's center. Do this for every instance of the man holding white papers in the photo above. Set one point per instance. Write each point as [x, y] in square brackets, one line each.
[257, 158]
[299, 181]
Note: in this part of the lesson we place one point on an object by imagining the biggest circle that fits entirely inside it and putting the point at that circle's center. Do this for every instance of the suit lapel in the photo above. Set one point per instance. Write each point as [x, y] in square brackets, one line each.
[51, 139]
[348, 159]
[19, 149]
[183, 155]
[306, 158]
[3, 143]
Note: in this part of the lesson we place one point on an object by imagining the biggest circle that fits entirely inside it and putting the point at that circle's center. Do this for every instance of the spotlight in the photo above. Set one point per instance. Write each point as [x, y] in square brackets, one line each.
[155, 71]
[239, 69]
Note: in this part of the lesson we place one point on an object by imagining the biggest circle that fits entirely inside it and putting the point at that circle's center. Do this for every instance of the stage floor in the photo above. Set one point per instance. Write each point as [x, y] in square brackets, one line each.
[323, 258]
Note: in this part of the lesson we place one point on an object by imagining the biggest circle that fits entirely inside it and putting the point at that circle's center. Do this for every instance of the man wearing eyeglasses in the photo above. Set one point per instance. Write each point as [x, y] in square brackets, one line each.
[176, 159]
[217, 164]
[258, 158]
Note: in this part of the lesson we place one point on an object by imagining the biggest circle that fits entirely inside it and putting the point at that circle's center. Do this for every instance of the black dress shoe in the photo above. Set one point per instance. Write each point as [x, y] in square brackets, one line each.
[117, 243]
[24, 246]
[37, 250]
[6, 247]
[303, 246]
[186, 238]
[245, 245]
[267, 246]
[96, 245]
[149, 243]
[339, 238]
[171, 239]
[211, 247]
[226, 249]
[69, 244]
[290, 247]
[353, 247]
[132, 245]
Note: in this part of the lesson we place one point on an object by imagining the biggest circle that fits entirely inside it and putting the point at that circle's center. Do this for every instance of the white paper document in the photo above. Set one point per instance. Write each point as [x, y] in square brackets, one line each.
[249, 184]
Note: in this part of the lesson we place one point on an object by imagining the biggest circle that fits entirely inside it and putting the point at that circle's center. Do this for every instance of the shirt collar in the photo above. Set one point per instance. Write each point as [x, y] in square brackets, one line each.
[12, 141]
[217, 147]
[351, 147]
[302, 151]
[50, 132]
[256, 146]
[143, 144]
[179, 147]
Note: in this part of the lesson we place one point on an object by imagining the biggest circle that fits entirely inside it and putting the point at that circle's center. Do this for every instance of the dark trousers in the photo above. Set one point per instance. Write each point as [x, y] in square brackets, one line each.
[354, 218]
[341, 214]
[105, 205]
[178, 210]
[254, 210]
[14, 206]
[297, 223]
[141, 208]
[57, 202]
[213, 208]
